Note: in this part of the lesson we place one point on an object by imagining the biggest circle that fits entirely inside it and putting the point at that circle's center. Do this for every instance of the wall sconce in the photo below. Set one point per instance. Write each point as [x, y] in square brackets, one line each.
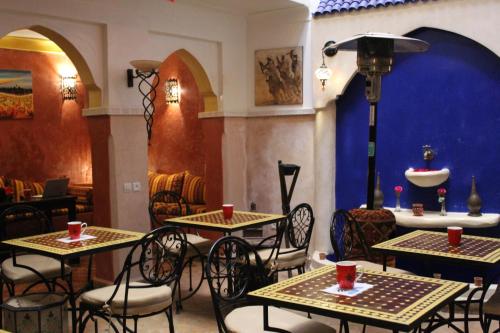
[324, 73]
[68, 87]
[172, 91]
[145, 69]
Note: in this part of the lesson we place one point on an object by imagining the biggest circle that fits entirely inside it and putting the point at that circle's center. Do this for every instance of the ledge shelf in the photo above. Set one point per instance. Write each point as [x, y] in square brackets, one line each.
[431, 219]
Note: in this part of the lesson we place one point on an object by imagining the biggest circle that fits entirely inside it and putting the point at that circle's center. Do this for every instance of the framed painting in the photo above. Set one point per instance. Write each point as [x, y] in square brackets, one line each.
[16, 95]
[278, 76]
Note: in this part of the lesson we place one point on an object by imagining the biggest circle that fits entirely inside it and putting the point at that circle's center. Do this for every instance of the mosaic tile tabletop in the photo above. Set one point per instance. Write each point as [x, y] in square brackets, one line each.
[48, 242]
[394, 298]
[474, 248]
[216, 219]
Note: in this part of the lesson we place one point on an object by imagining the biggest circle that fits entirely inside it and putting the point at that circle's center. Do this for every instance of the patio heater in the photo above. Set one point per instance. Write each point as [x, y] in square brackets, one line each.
[375, 53]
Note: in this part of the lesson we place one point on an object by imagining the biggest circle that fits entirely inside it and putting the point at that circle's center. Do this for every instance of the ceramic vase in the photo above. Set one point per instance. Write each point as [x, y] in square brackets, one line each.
[443, 207]
[378, 201]
[474, 201]
[398, 203]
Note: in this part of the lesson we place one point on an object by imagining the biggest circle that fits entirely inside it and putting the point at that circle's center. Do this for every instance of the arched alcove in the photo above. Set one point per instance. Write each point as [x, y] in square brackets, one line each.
[181, 141]
[447, 97]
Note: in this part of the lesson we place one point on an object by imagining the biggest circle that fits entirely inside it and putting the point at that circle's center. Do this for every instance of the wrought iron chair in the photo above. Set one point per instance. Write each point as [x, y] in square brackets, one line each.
[32, 269]
[343, 230]
[298, 232]
[491, 311]
[233, 269]
[160, 256]
[165, 204]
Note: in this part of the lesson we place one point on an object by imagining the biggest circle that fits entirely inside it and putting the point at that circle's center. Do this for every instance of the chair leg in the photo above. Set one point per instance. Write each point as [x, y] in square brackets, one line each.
[135, 324]
[170, 319]
[191, 274]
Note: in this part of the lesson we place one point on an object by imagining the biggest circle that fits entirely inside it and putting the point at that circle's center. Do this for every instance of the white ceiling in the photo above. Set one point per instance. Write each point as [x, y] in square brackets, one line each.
[247, 7]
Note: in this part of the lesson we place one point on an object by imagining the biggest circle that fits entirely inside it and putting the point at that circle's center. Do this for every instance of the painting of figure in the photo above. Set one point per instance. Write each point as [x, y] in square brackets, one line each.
[278, 76]
[16, 95]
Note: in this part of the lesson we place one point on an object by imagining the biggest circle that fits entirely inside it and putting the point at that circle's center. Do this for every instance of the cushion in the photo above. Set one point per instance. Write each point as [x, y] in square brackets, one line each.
[197, 209]
[79, 209]
[169, 209]
[193, 190]
[249, 319]
[284, 260]
[141, 301]
[48, 267]
[164, 182]
[202, 244]
[82, 193]
[2, 181]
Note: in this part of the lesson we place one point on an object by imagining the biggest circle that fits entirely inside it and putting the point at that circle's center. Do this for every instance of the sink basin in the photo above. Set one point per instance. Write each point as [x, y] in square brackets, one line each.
[427, 177]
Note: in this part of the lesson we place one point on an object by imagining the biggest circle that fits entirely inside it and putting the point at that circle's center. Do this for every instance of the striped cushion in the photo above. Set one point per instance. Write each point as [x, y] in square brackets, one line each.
[164, 182]
[170, 209]
[194, 189]
[83, 194]
[2, 181]
[197, 209]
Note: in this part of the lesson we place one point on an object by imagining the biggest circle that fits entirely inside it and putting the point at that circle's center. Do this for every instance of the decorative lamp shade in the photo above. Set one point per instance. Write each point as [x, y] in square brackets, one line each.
[68, 87]
[145, 66]
[172, 91]
[323, 74]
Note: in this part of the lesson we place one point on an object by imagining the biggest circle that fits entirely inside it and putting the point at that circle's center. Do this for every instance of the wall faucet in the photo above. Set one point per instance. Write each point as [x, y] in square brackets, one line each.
[428, 153]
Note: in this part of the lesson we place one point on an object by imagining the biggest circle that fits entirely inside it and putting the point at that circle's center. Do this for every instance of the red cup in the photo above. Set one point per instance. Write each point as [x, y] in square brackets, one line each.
[346, 274]
[227, 210]
[76, 229]
[454, 235]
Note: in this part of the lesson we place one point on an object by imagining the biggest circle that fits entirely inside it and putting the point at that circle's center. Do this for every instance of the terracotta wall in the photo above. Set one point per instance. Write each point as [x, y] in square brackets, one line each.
[177, 141]
[56, 141]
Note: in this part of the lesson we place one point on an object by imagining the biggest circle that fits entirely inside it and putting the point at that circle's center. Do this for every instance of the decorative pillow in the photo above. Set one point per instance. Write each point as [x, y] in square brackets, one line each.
[164, 182]
[194, 189]
[2, 181]
[83, 194]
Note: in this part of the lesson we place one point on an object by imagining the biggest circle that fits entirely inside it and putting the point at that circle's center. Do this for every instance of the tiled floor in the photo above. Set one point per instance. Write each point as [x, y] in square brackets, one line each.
[197, 315]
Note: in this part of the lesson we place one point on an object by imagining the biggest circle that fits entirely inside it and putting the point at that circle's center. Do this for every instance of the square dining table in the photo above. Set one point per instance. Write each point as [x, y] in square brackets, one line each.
[215, 221]
[106, 239]
[398, 302]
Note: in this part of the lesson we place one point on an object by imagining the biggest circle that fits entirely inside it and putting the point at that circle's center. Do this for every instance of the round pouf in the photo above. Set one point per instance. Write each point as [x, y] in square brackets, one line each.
[37, 313]
[378, 225]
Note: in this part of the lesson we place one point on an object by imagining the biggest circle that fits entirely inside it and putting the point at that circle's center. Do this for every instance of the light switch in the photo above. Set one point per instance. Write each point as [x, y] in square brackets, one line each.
[136, 186]
[127, 187]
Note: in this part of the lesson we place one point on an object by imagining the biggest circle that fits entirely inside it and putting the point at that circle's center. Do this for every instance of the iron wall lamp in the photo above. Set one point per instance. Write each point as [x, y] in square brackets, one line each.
[323, 73]
[172, 91]
[68, 87]
[144, 70]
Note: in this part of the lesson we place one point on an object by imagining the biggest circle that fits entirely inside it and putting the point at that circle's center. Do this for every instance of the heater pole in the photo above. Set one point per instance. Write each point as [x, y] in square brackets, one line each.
[372, 149]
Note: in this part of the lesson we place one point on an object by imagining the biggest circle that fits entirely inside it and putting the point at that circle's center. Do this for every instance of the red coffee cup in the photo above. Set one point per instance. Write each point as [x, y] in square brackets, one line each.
[76, 229]
[227, 210]
[454, 235]
[346, 274]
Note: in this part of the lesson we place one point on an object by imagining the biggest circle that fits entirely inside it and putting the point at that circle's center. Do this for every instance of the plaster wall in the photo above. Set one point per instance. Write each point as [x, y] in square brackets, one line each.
[476, 20]
[56, 141]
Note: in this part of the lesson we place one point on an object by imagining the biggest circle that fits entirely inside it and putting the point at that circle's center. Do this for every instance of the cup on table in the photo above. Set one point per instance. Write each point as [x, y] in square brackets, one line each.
[76, 229]
[418, 209]
[27, 194]
[455, 235]
[227, 210]
[347, 274]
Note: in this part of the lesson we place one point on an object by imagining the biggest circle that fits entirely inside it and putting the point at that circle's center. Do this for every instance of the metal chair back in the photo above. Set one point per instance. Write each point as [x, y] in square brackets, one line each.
[343, 232]
[158, 207]
[300, 226]
[22, 221]
[160, 255]
[232, 270]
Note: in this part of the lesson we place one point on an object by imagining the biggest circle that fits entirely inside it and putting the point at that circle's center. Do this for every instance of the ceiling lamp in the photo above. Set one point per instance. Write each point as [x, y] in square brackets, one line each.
[375, 53]
[144, 70]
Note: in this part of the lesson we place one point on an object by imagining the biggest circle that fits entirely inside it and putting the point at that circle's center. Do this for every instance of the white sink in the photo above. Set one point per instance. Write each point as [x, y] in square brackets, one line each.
[427, 178]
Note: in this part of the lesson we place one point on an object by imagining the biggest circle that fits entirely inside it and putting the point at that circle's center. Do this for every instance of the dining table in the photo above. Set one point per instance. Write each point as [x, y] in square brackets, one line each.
[57, 245]
[427, 246]
[398, 302]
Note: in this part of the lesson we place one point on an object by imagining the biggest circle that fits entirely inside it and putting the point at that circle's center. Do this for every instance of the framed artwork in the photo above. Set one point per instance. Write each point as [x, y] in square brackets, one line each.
[16, 95]
[278, 76]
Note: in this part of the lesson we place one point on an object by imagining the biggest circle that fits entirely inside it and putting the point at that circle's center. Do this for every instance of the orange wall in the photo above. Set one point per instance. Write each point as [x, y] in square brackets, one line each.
[177, 141]
[56, 141]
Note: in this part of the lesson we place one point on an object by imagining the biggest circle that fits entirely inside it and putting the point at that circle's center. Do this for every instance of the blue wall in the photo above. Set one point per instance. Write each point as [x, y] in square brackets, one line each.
[449, 98]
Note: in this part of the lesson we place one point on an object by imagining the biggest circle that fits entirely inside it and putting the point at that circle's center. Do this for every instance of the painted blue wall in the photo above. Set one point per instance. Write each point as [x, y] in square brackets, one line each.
[449, 98]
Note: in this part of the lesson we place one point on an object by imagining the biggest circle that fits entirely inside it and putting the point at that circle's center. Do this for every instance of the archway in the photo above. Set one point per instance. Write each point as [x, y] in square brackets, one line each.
[446, 97]
[181, 141]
